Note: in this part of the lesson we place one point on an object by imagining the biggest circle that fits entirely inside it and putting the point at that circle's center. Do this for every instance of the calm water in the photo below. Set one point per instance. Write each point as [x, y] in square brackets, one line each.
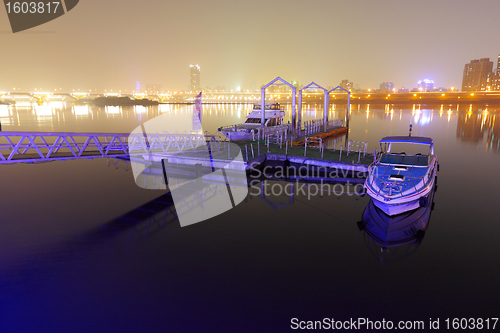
[69, 263]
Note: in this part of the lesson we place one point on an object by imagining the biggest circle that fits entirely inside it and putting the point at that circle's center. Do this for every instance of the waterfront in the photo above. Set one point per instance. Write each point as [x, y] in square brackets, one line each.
[66, 264]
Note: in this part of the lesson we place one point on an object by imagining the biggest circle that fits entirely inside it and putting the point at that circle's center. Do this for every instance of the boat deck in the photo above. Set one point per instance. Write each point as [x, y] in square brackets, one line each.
[394, 172]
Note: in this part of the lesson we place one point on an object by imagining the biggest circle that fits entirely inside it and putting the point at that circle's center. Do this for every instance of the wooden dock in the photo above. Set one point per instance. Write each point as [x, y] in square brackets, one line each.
[321, 135]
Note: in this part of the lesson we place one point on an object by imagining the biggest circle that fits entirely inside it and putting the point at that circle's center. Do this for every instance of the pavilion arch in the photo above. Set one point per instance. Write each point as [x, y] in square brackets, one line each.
[348, 101]
[277, 81]
[326, 101]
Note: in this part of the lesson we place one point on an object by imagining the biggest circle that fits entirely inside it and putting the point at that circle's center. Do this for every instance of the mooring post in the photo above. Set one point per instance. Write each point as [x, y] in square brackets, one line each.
[299, 110]
[262, 110]
[294, 103]
[164, 167]
[348, 109]
[326, 108]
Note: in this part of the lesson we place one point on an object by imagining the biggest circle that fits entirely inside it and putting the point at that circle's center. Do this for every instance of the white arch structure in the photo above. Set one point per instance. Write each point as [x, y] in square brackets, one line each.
[326, 101]
[277, 81]
[348, 102]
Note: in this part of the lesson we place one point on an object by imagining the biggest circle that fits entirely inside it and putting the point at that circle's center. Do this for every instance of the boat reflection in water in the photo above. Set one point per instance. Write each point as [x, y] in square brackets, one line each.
[391, 238]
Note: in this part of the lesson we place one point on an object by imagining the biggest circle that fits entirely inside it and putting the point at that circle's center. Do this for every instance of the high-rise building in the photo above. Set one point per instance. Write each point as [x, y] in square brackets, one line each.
[496, 78]
[387, 86]
[425, 85]
[476, 75]
[498, 65]
[195, 78]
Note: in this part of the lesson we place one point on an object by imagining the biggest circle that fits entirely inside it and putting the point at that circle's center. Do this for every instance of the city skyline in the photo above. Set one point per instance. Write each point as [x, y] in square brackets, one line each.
[98, 45]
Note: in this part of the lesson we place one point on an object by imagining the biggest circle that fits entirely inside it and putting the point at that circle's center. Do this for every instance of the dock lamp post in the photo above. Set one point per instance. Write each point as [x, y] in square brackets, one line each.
[348, 102]
[326, 101]
[276, 81]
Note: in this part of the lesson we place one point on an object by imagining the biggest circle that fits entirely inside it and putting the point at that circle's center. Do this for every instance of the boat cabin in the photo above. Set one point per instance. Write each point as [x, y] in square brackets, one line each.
[273, 115]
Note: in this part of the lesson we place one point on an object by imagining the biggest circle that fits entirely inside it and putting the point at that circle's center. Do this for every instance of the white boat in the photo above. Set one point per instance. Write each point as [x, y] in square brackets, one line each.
[273, 117]
[398, 182]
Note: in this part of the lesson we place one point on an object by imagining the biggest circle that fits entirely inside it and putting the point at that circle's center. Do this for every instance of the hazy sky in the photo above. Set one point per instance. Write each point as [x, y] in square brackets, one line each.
[103, 44]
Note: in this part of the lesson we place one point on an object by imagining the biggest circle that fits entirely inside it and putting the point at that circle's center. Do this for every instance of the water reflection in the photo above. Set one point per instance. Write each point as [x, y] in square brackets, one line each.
[392, 238]
[473, 127]
[475, 124]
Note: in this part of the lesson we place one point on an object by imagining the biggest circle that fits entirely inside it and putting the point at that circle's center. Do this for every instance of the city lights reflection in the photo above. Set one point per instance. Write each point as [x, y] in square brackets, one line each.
[81, 110]
[112, 109]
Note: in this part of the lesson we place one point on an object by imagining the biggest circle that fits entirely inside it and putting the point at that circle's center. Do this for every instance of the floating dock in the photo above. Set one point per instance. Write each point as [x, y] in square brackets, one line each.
[329, 134]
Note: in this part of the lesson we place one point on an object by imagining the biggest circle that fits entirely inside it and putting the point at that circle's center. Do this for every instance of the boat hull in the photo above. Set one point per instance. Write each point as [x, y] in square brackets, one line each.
[395, 209]
[238, 136]
[396, 229]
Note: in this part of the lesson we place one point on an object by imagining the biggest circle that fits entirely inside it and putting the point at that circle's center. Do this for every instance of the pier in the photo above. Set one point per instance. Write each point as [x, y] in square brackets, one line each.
[183, 150]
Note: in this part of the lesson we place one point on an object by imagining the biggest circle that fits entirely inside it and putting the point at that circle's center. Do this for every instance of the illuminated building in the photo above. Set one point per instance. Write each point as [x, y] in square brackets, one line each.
[346, 85]
[496, 77]
[425, 85]
[477, 75]
[387, 86]
[195, 78]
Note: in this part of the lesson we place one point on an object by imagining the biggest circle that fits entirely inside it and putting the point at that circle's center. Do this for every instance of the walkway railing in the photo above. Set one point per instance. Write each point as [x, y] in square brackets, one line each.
[31, 147]
[16, 147]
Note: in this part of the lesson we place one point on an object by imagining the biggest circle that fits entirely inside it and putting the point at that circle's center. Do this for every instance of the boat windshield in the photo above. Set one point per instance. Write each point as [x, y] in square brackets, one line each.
[268, 106]
[252, 121]
[402, 159]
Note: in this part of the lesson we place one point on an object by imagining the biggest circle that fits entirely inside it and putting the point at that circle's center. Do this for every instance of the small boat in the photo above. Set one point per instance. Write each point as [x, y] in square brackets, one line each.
[273, 117]
[398, 182]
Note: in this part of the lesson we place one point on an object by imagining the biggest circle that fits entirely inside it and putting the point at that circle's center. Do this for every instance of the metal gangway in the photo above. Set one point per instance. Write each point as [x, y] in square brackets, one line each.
[36, 147]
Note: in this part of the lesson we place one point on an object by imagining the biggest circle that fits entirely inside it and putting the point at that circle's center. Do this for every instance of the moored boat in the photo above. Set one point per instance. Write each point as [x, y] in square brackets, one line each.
[400, 182]
[273, 117]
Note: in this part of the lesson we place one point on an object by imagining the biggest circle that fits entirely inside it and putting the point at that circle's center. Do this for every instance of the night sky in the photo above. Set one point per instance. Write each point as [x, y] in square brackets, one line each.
[112, 44]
